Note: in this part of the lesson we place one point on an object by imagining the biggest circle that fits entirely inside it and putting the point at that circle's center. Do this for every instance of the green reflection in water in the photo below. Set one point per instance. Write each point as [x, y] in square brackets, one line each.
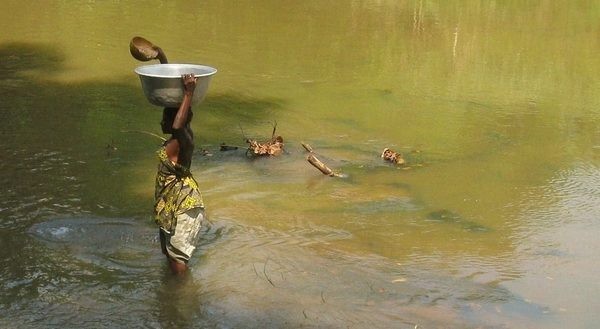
[499, 98]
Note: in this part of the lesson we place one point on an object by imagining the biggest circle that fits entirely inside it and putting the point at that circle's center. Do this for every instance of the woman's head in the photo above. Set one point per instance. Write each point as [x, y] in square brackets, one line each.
[168, 118]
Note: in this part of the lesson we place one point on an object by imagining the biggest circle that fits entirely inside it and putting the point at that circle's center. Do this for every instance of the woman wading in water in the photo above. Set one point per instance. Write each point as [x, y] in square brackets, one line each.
[178, 208]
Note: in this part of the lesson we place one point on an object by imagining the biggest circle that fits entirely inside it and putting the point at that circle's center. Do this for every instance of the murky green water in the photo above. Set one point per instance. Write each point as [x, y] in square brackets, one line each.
[496, 106]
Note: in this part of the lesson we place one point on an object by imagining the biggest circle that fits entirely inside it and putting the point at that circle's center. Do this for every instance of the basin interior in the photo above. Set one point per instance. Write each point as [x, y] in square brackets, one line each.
[175, 70]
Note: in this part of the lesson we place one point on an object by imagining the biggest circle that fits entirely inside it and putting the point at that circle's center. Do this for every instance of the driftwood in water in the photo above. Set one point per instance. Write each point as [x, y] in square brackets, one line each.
[320, 165]
[272, 147]
[392, 156]
[313, 160]
[307, 147]
[224, 147]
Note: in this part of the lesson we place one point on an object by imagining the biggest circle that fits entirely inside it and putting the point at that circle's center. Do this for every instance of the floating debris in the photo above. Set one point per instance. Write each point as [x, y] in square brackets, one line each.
[307, 147]
[392, 156]
[224, 147]
[313, 160]
[273, 147]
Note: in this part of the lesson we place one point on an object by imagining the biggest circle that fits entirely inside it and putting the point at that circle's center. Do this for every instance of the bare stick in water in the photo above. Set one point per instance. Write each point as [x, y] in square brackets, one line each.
[274, 129]
[265, 272]
[307, 147]
[242, 130]
[312, 159]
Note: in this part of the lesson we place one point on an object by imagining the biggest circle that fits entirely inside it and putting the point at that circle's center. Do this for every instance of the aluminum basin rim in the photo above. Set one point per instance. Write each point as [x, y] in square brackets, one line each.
[212, 70]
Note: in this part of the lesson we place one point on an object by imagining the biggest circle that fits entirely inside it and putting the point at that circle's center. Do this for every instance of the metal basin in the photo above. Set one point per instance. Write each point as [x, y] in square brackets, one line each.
[163, 86]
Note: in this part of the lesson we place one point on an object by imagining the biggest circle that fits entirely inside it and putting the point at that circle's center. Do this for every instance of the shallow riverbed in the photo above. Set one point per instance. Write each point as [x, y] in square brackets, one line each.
[492, 223]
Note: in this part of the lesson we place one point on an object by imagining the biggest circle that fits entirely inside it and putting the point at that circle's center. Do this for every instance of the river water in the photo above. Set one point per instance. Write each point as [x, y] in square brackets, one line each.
[493, 223]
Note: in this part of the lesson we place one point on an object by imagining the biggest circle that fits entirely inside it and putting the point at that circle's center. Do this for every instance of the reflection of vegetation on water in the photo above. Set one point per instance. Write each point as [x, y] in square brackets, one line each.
[84, 123]
[498, 96]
